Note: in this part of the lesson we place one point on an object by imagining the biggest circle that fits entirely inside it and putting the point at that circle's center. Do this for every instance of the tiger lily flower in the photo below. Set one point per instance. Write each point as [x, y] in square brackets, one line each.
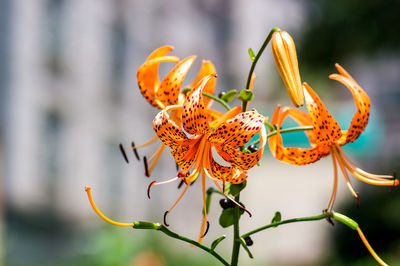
[168, 91]
[327, 136]
[194, 153]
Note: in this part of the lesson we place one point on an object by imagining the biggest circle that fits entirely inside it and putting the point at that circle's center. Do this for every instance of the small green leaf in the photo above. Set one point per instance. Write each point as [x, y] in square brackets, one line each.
[229, 96]
[226, 217]
[217, 241]
[277, 218]
[251, 54]
[246, 95]
[235, 189]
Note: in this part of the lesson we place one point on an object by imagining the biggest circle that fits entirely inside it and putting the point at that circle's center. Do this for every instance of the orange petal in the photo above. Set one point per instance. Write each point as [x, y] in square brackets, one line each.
[194, 117]
[238, 130]
[303, 119]
[327, 130]
[362, 101]
[225, 173]
[167, 130]
[161, 51]
[168, 92]
[207, 68]
[148, 80]
[296, 156]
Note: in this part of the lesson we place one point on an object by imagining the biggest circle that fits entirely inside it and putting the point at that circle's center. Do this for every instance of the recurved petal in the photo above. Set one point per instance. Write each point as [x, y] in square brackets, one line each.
[326, 128]
[207, 68]
[148, 80]
[225, 173]
[238, 130]
[161, 51]
[362, 101]
[296, 156]
[167, 130]
[168, 91]
[194, 117]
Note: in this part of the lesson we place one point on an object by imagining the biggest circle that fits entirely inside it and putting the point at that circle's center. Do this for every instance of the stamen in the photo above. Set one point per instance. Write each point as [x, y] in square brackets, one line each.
[368, 246]
[151, 141]
[153, 183]
[180, 197]
[135, 151]
[165, 218]
[146, 167]
[99, 213]
[177, 166]
[181, 183]
[208, 227]
[335, 183]
[121, 148]
[346, 177]
[158, 152]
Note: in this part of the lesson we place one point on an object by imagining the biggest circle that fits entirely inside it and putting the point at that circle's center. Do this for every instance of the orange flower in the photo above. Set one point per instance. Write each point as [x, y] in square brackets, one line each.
[327, 136]
[168, 91]
[225, 134]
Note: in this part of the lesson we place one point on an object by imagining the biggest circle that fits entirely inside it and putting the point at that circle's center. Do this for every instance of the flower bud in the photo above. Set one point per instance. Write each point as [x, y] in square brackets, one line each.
[285, 57]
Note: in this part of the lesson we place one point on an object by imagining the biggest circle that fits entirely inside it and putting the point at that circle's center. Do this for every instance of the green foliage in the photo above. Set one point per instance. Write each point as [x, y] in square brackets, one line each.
[246, 95]
[229, 96]
[277, 218]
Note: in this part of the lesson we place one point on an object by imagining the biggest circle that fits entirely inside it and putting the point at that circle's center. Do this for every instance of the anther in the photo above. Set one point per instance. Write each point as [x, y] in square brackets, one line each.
[241, 205]
[121, 148]
[208, 226]
[177, 166]
[165, 218]
[146, 167]
[249, 241]
[135, 151]
[181, 183]
[358, 200]
[252, 148]
[148, 188]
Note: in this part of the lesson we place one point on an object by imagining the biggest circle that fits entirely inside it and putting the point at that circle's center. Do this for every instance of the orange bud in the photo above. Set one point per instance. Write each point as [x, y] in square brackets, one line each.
[285, 57]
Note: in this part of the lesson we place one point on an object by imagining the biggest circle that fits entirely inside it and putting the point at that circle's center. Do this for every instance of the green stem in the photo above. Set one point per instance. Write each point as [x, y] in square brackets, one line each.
[302, 219]
[236, 234]
[188, 240]
[287, 130]
[253, 65]
[225, 104]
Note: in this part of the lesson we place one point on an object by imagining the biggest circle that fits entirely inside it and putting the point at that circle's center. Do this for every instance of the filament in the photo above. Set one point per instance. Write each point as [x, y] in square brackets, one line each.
[158, 152]
[204, 220]
[346, 177]
[147, 143]
[87, 189]
[335, 183]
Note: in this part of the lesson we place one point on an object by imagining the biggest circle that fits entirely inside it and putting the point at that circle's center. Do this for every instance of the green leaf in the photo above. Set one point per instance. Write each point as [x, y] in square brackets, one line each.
[246, 95]
[277, 218]
[235, 189]
[217, 241]
[251, 54]
[229, 96]
[226, 218]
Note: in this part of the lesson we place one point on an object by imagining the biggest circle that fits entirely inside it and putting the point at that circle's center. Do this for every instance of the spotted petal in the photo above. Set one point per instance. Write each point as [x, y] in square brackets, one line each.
[326, 128]
[147, 74]
[207, 68]
[296, 156]
[362, 101]
[225, 173]
[168, 92]
[194, 117]
[238, 130]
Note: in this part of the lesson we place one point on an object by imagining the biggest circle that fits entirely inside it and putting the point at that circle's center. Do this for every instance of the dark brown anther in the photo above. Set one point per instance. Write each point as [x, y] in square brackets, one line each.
[358, 200]
[177, 166]
[394, 181]
[121, 148]
[135, 151]
[165, 218]
[148, 188]
[146, 167]
[249, 241]
[208, 226]
[223, 186]
[181, 183]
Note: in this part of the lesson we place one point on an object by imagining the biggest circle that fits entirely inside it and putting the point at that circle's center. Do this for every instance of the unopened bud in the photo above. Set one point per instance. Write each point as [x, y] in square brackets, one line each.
[285, 57]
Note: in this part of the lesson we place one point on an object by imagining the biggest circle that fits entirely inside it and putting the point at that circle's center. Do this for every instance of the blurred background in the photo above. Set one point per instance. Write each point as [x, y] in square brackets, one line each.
[69, 96]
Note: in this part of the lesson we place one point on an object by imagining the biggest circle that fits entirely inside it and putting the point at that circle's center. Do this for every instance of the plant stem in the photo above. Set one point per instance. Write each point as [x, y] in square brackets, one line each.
[302, 219]
[225, 104]
[253, 65]
[188, 240]
[287, 130]
[236, 234]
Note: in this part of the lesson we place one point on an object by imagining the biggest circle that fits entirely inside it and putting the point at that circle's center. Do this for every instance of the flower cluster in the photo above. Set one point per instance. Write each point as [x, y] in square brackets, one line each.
[191, 129]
